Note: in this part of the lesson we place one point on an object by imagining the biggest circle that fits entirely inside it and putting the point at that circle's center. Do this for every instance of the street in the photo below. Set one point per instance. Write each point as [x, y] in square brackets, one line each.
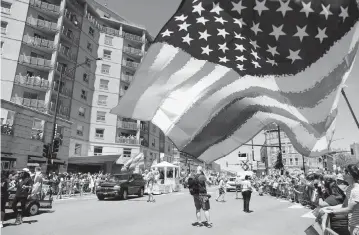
[171, 214]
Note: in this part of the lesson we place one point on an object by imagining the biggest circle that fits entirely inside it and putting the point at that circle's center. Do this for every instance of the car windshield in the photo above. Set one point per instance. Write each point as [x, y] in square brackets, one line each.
[118, 177]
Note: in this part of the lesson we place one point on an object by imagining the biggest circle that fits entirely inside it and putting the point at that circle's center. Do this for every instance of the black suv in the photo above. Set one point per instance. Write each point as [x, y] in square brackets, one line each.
[121, 185]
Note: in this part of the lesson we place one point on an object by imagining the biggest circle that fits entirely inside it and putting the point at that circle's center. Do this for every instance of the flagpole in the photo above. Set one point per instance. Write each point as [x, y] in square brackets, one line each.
[350, 107]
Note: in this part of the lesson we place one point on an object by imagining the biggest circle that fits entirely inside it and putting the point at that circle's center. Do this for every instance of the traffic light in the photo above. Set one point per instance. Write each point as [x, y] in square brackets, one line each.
[45, 151]
[56, 145]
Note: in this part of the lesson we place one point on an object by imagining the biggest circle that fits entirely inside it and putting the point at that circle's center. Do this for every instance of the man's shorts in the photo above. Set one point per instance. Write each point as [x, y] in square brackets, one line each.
[201, 202]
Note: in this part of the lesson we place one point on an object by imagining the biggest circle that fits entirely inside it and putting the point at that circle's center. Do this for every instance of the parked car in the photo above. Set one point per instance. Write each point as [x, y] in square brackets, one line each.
[232, 184]
[121, 185]
[32, 206]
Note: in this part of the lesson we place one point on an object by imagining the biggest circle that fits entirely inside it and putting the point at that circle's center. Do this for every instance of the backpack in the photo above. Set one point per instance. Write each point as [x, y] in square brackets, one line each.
[193, 185]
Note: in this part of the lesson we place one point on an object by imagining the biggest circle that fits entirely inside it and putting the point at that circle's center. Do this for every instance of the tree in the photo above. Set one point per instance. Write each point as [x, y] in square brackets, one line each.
[343, 159]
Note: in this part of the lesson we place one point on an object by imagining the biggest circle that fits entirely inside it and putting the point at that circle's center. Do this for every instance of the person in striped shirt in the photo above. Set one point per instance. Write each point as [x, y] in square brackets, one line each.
[352, 177]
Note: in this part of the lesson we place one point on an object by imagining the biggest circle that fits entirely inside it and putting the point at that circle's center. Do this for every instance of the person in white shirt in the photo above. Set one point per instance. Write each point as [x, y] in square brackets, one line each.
[221, 189]
[246, 193]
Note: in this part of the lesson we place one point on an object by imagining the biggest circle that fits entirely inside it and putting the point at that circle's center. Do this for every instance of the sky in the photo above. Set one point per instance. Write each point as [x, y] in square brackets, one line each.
[153, 14]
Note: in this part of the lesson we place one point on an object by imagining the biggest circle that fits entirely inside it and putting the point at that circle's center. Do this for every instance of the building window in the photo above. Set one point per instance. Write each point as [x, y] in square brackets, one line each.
[89, 46]
[84, 94]
[105, 69]
[78, 149]
[107, 54]
[108, 40]
[85, 77]
[101, 116]
[99, 133]
[97, 150]
[102, 100]
[126, 152]
[125, 88]
[3, 27]
[91, 31]
[82, 112]
[5, 7]
[154, 128]
[88, 62]
[291, 161]
[80, 130]
[296, 162]
[104, 84]
[153, 143]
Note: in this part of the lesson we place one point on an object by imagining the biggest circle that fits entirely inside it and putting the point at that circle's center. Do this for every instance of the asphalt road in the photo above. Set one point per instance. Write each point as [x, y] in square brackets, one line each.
[172, 214]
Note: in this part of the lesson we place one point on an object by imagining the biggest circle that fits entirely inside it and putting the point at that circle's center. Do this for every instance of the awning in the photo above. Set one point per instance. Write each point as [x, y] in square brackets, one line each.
[7, 157]
[35, 159]
[164, 164]
[94, 160]
[58, 161]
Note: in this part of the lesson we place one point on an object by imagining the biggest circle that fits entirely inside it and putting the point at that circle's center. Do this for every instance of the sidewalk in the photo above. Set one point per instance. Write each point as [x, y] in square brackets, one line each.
[76, 196]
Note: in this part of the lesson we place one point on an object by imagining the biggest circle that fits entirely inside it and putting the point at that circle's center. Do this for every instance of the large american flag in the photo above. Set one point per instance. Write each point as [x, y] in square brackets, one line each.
[220, 71]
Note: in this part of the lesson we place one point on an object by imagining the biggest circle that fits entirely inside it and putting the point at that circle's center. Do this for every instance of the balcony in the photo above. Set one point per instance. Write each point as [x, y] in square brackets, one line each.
[132, 37]
[36, 62]
[45, 7]
[5, 10]
[43, 25]
[72, 19]
[33, 82]
[110, 31]
[66, 53]
[7, 129]
[127, 125]
[41, 44]
[132, 51]
[126, 78]
[130, 64]
[127, 140]
[63, 91]
[62, 110]
[69, 36]
[144, 127]
[31, 103]
[68, 74]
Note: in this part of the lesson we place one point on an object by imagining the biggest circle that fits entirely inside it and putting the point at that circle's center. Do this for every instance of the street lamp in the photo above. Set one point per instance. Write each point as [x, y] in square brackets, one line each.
[57, 102]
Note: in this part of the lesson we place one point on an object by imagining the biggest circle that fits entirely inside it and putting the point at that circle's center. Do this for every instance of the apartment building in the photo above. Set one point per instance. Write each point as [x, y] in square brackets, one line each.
[42, 40]
[291, 158]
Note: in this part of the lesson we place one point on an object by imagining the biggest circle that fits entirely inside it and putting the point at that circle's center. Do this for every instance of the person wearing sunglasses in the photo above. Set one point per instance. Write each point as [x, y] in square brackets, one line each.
[352, 177]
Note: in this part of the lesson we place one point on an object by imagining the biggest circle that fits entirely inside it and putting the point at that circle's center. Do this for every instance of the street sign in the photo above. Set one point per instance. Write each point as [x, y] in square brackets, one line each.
[242, 156]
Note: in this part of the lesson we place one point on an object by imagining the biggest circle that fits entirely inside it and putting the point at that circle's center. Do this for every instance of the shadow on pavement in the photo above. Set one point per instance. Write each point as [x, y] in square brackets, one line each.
[12, 215]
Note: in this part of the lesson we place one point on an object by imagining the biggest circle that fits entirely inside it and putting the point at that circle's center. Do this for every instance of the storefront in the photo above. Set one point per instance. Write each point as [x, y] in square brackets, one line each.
[35, 161]
[8, 162]
[104, 163]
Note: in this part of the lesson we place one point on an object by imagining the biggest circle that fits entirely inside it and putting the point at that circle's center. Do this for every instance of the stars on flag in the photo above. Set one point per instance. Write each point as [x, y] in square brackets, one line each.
[237, 41]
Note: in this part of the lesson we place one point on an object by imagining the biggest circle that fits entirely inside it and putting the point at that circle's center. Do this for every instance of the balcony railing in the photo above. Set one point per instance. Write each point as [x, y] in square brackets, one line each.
[5, 10]
[72, 17]
[66, 52]
[127, 140]
[110, 31]
[35, 61]
[126, 78]
[38, 42]
[45, 6]
[69, 74]
[132, 37]
[63, 90]
[7, 129]
[62, 110]
[51, 26]
[127, 125]
[70, 35]
[130, 64]
[32, 81]
[32, 103]
[144, 127]
[132, 51]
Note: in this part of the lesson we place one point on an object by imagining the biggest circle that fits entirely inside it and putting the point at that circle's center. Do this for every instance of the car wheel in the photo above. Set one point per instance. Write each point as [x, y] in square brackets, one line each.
[140, 194]
[124, 194]
[100, 197]
[33, 209]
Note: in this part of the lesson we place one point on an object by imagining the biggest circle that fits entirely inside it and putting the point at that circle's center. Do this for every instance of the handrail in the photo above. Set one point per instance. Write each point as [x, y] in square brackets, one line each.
[131, 50]
[127, 125]
[35, 61]
[42, 23]
[68, 15]
[110, 31]
[126, 78]
[132, 37]
[32, 103]
[130, 64]
[32, 81]
[38, 42]
[45, 6]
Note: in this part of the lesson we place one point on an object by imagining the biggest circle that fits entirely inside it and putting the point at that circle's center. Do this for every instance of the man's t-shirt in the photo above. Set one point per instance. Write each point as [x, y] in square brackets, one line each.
[23, 192]
[202, 184]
